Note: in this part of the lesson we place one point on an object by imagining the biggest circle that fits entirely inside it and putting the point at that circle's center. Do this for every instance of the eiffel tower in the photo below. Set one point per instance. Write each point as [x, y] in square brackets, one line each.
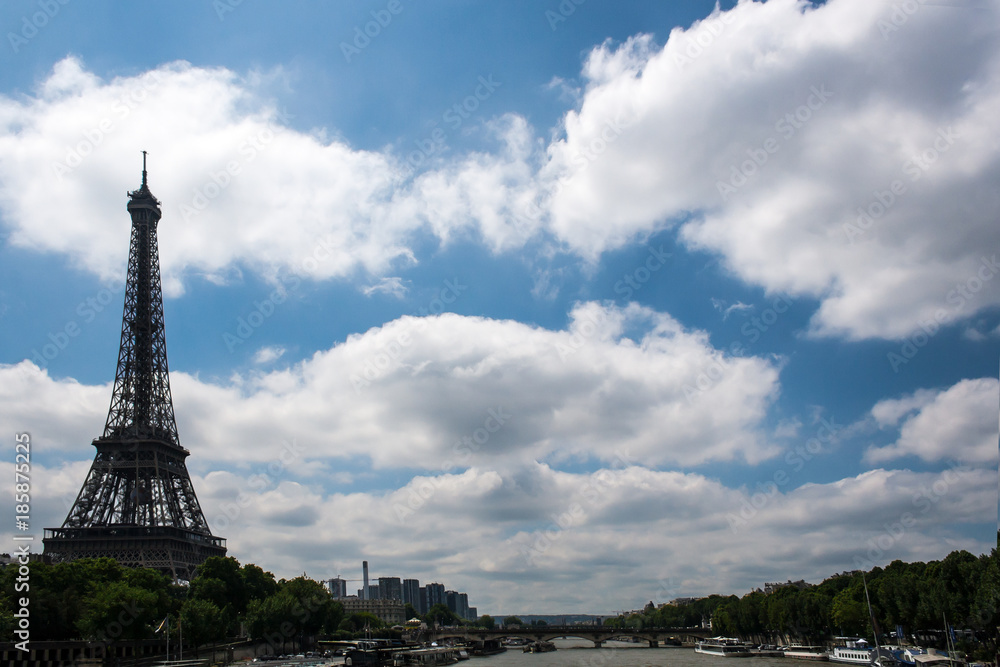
[137, 504]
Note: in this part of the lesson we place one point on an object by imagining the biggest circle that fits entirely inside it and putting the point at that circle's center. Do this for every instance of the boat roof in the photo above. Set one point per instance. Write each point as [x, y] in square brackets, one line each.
[933, 659]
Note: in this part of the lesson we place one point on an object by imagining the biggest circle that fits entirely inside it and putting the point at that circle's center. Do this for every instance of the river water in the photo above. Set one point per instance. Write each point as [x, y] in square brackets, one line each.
[581, 653]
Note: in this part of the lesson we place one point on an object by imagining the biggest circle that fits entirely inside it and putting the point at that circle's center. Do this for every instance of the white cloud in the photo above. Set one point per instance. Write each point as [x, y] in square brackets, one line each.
[63, 414]
[496, 534]
[833, 108]
[973, 334]
[409, 392]
[889, 411]
[726, 311]
[266, 355]
[718, 97]
[389, 285]
[237, 185]
[500, 521]
[959, 423]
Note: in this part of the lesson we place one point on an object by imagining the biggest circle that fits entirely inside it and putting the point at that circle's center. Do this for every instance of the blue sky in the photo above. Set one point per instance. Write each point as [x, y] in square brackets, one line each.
[634, 300]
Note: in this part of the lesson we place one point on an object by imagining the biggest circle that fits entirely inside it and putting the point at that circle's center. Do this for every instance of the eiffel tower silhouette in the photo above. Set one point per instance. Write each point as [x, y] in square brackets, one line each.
[137, 504]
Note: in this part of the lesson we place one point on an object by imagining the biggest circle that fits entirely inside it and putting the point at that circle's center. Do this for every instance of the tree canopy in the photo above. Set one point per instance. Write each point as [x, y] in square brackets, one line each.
[97, 599]
[916, 596]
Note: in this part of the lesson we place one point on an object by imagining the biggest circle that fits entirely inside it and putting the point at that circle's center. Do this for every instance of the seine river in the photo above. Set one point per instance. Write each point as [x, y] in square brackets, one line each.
[581, 653]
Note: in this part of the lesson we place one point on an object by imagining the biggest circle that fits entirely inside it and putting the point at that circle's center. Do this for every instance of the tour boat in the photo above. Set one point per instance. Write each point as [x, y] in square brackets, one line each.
[852, 651]
[725, 647]
[806, 652]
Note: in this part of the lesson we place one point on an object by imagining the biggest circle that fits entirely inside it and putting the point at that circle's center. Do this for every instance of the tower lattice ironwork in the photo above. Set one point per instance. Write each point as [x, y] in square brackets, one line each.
[137, 504]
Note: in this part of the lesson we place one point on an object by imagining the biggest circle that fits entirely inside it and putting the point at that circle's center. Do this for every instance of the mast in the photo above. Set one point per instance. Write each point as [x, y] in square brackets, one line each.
[871, 616]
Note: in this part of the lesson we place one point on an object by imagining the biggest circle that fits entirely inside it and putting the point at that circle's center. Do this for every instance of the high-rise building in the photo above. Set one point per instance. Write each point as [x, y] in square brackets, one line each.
[435, 595]
[463, 606]
[451, 599]
[337, 587]
[423, 606]
[364, 575]
[390, 588]
[411, 593]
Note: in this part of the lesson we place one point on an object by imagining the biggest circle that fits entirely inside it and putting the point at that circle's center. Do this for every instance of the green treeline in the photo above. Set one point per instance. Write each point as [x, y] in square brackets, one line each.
[99, 600]
[917, 596]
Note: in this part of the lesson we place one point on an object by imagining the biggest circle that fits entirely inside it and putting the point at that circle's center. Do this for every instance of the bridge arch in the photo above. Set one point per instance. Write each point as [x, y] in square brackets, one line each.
[597, 634]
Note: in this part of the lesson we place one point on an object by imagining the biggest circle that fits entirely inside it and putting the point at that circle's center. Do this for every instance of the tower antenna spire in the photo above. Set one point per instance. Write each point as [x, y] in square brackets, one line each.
[144, 168]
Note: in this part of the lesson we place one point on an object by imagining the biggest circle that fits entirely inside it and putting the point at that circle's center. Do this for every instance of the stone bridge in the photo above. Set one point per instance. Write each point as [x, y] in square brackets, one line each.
[596, 633]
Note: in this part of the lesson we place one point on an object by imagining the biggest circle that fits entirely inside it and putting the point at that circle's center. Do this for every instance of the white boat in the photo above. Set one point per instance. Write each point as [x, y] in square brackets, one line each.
[806, 652]
[852, 651]
[935, 658]
[724, 647]
[427, 657]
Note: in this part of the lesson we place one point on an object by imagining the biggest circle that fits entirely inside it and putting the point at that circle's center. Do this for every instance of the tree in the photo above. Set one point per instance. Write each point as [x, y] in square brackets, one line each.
[512, 620]
[60, 593]
[258, 584]
[311, 606]
[258, 621]
[117, 611]
[986, 604]
[486, 621]
[268, 619]
[409, 611]
[220, 581]
[440, 614]
[848, 614]
[361, 620]
[333, 617]
[669, 616]
[722, 619]
[202, 621]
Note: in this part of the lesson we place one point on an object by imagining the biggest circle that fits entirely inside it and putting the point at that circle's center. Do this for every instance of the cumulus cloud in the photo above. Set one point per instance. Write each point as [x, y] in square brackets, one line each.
[814, 149]
[766, 128]
[958, 423]
[238, 186]
[446, 391]
[61, 413]
[266, 355]
[618, 533]
[488, 409]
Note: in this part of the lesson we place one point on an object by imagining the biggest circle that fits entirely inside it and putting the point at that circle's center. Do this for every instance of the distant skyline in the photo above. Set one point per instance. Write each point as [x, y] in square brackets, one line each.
[572, 305]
